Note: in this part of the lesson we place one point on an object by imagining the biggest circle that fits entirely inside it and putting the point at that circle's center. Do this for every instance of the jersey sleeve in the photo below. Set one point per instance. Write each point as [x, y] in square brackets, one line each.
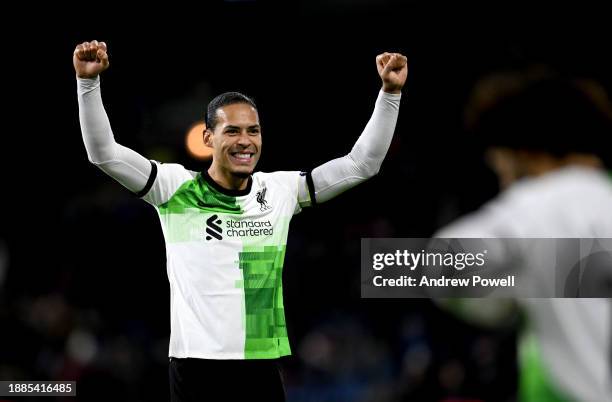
[165, 179]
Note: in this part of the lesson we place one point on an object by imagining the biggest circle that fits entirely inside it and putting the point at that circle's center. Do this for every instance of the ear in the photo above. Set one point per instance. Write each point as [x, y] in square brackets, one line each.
[504, 162]
[208, 138]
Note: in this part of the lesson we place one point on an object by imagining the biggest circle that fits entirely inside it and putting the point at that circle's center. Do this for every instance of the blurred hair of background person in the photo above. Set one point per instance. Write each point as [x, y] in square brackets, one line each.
[543, 133]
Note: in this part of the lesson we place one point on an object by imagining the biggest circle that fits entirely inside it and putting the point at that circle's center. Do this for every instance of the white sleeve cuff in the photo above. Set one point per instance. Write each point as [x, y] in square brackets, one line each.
[86, 85]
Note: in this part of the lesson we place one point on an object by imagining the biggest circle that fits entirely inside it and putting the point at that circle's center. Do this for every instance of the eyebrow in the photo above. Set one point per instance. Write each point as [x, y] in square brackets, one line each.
[238, 128]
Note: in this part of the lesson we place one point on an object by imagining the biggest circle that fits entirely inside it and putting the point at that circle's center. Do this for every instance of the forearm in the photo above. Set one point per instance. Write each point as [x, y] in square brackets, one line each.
[371, 147]
[95, 126]
[364, 160]
[126, 166]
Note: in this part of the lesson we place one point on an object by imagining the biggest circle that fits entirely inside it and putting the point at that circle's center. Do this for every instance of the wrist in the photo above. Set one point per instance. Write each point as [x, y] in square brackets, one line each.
[87, 76]
[86, 85]
[391, 89]
[88, 79]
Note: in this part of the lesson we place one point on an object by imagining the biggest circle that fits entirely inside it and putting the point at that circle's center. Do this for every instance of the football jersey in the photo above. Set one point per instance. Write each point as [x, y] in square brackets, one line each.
[565, 348]
[225, 251]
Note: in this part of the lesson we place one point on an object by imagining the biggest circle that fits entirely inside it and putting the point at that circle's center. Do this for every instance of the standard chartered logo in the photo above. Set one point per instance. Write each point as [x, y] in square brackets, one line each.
[234, 228]
[213, 229]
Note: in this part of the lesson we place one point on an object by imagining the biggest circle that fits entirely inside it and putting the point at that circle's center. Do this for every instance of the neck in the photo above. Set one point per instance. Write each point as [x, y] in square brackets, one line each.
[228, 180]
[542, 164]
[511, 165]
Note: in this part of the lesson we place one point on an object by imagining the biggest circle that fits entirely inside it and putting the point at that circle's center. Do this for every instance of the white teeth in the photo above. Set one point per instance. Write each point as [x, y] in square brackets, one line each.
[243, 156]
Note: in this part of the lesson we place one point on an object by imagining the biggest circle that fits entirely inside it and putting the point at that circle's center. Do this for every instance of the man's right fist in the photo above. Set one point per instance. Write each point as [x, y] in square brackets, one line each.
[90, 59]
[393, 70]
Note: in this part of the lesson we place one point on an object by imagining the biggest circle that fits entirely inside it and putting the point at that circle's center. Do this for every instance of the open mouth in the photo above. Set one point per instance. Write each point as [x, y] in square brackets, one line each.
[243, 158]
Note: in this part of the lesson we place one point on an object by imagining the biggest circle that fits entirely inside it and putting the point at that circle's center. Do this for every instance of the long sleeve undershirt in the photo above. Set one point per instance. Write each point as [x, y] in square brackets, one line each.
[132, 170]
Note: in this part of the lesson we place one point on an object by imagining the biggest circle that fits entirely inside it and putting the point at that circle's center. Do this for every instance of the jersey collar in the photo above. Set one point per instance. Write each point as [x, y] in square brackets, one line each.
[233, 193]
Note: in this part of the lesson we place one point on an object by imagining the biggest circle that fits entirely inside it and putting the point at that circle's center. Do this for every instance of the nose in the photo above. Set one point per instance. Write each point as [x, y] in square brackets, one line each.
[244, 139]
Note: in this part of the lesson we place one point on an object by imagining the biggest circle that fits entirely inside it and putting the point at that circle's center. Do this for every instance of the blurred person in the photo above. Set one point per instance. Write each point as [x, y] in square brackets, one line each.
[225, 229]
[544, 132]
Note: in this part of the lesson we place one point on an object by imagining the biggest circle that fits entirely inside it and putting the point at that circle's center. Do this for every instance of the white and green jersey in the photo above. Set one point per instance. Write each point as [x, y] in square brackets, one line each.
[225, 251]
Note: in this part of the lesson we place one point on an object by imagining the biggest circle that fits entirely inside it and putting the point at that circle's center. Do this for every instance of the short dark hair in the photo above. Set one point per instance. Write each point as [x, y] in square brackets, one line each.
[539, 109]
[226, 98]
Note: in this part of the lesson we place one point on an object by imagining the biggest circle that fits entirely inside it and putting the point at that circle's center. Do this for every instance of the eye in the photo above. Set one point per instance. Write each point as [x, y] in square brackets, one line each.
[231, 131]
[254, 131]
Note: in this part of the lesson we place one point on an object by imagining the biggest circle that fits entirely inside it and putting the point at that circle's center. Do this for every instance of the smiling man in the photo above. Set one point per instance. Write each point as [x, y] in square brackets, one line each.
[236, 150]
[226, 229]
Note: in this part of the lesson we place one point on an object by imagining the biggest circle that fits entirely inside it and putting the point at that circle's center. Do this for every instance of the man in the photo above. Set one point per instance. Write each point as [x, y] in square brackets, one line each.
[544, 132]
[226, 229]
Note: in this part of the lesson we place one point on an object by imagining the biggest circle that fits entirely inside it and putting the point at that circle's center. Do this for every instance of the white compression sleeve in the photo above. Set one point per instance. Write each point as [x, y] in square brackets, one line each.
[364, 161]
[129, 168]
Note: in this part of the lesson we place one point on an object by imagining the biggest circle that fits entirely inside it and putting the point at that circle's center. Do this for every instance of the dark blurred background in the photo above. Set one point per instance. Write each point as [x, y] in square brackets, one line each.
[83, 287]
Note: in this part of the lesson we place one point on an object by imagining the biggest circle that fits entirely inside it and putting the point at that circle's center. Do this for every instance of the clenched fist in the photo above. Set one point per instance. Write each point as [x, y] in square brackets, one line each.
[393, 70]
[90, 59]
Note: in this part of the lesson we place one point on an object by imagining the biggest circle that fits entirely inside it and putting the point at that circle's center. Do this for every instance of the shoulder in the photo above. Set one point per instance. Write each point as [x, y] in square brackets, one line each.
[278, 177]
[175, 169]
[563, 188]
[165, 180]
[284, 181]
[569, 202]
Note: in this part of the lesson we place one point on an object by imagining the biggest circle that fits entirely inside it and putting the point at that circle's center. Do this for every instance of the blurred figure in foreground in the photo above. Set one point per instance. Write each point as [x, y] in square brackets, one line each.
[543, 133]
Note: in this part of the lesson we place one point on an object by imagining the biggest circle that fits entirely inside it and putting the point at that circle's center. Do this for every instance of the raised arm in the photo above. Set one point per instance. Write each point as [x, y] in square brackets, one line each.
[129, 168]
[364, 160]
